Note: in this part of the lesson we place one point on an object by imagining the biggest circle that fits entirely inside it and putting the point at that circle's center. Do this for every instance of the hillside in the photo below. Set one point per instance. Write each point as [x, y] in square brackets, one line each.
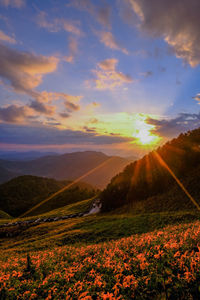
[22, 193]
[69, 166]
[163, 264]
[147, 184]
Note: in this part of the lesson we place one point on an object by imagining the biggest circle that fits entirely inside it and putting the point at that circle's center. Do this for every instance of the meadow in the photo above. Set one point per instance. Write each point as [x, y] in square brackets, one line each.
[163, 264]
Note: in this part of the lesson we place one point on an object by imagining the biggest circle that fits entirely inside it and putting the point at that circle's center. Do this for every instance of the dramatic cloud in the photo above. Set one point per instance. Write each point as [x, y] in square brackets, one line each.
[73, 49]
[109, 41]
[14, 113]
[107, 77]
[101, 14]
[5, 38]
[172, 127]
[46, 135]
[24, 70]
[13, 3]
[177, 21]
[56, 25]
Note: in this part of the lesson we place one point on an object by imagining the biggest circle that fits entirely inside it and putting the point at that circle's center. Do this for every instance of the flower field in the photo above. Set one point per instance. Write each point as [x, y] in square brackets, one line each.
[163, 264]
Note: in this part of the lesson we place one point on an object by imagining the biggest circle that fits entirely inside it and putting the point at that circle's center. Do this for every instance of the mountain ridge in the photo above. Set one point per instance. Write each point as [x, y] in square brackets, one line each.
[70, 166]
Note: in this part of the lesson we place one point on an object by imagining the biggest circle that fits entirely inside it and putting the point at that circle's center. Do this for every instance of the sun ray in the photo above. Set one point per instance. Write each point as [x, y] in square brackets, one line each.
[164, 164]
[67, 187]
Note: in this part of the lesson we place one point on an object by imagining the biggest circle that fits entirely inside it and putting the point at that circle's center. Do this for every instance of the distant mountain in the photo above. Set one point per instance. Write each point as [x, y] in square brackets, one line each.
[6, 175]
[22, 193]
[29, 155]
[149, 183]
[70, 166]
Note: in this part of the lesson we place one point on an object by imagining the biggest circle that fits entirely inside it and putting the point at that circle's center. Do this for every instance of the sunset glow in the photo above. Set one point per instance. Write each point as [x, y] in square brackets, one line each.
[143, 132]
[96, 75]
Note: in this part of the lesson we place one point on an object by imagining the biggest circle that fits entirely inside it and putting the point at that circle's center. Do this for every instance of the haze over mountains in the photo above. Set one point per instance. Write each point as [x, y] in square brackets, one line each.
[68, 166]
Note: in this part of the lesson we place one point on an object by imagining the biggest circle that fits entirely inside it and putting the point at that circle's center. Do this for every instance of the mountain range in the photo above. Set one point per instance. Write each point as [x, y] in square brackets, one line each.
[68, 166]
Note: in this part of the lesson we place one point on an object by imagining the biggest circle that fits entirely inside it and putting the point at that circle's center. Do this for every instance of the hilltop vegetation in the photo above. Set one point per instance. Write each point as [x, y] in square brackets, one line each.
[21, 193]
[147, 184]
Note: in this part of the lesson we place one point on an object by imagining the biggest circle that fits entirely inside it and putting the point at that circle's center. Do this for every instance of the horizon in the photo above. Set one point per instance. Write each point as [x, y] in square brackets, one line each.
[100, 76]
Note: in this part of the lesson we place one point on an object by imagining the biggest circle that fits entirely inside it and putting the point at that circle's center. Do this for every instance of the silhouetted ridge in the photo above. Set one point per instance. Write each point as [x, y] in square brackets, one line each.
[68, 166]
[148, 178]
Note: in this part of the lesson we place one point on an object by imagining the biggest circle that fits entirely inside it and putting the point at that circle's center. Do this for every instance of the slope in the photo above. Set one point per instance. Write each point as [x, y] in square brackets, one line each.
[150, 178]
[21, 193]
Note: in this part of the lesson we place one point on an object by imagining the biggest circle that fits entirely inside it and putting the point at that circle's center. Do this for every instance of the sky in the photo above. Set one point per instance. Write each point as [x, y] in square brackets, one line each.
[118, 76]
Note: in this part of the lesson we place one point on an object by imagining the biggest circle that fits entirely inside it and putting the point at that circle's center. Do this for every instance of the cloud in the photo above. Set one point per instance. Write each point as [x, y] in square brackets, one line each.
[107, 77]
[58, 24]
[197, 98]
[71, 106]
[147, 74]
[73, 49]
[5, 38]
[170, 128]
[42, 108]
[13, 3]
[108, 64]
[48, 135]
[101, 13]
[70, 26]
[14, 113]
[109, 41]
[23, 70]
[176, 21]
[64, 115]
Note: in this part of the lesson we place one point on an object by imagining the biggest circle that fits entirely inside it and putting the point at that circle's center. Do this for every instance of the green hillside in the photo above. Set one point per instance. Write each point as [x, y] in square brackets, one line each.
[147, 185]
[22, 193]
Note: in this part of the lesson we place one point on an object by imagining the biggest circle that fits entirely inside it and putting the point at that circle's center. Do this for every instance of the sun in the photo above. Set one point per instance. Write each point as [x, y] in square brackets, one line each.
[143, 132]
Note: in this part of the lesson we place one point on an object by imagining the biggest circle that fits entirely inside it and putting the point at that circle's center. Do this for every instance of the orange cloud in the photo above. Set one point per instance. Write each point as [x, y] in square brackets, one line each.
[15, 113]
[57, 24]
[109, 41]
[23, 70]
[107, 77]
[73, 49]
[177, 22]
[5, 38]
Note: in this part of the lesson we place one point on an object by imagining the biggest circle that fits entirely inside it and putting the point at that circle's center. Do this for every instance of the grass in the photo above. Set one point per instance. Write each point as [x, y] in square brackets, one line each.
[163, 264]
[4, 215]
[90, 229]
[74, 208]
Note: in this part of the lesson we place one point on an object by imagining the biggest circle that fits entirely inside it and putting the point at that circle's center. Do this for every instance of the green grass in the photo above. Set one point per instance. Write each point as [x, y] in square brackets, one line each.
[74, 208]
[91, 229]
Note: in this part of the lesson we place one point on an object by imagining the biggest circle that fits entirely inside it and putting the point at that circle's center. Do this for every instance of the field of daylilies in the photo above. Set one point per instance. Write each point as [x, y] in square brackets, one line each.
[164, 264]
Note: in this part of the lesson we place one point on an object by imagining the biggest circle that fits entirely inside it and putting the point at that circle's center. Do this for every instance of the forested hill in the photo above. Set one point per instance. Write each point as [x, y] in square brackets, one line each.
[22, 193]
[148, 178]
